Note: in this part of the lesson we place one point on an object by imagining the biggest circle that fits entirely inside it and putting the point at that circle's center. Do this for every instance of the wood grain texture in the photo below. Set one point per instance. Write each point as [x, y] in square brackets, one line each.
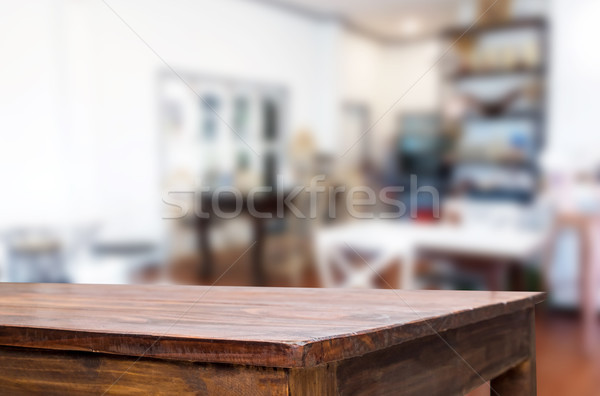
[320, 380]
[428, 366]
[517, 381]
[497, 349]
[25, 371]
[520, 380]
[270, 327]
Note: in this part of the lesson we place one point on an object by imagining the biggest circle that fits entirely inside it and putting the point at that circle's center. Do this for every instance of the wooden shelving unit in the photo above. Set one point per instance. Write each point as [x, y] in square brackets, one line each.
[496, 75]
[490, 73]
[512, 24]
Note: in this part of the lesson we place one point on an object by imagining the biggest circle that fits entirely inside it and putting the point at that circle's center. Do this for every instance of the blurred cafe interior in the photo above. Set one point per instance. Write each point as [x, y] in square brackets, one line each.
[435, 144]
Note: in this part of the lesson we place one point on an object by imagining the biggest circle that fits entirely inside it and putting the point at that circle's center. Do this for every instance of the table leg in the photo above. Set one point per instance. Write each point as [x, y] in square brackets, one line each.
[322, 261]
[495, 276]
[518, 276]
[589, 278]
[205, 267]
[257, 252]
[408, 271]
[518, 381]
[521, 379]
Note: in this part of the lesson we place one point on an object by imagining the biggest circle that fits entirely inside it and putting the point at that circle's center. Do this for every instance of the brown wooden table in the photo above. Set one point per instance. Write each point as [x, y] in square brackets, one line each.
[267, 204]
[59, 339]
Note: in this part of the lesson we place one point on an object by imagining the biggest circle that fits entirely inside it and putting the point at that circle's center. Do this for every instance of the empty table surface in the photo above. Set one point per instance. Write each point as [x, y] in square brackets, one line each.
[274, 327]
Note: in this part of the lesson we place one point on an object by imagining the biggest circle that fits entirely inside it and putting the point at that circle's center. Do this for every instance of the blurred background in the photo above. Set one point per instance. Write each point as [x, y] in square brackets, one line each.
[478, 115]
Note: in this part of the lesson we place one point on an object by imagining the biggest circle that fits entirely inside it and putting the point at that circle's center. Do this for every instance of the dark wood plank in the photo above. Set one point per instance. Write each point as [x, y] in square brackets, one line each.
[25, 371]
[496, 348]
[319, 380]
[270, 327]
[517, 381]
[428, 366]
[520, 380]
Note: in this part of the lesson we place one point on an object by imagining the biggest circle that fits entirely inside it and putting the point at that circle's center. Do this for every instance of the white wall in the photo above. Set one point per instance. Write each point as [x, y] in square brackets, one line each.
[31, 156]
[79, 99]
[390, 80]
[233, 38]
[574, 85]
[358, 83]
[79, 102]
[360, 66]
[409, 82]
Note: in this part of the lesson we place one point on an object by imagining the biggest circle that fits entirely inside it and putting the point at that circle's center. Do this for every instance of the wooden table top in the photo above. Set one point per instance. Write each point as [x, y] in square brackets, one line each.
[274, 327]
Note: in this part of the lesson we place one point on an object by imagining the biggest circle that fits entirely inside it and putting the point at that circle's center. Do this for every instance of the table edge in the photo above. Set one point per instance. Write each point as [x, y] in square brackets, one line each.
[256, 353]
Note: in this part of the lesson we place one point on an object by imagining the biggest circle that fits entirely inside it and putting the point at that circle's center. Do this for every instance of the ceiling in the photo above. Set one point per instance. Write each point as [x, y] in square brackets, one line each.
[385, 19]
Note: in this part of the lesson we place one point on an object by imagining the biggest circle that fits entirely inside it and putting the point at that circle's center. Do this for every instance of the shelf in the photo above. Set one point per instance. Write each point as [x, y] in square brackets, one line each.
[523, 164]
[534, 114]
[532, 71]
[502, 193]
[462, 31]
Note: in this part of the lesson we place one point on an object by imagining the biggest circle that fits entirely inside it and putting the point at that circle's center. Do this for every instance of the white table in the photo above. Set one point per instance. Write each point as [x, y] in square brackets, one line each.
[400, 241]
